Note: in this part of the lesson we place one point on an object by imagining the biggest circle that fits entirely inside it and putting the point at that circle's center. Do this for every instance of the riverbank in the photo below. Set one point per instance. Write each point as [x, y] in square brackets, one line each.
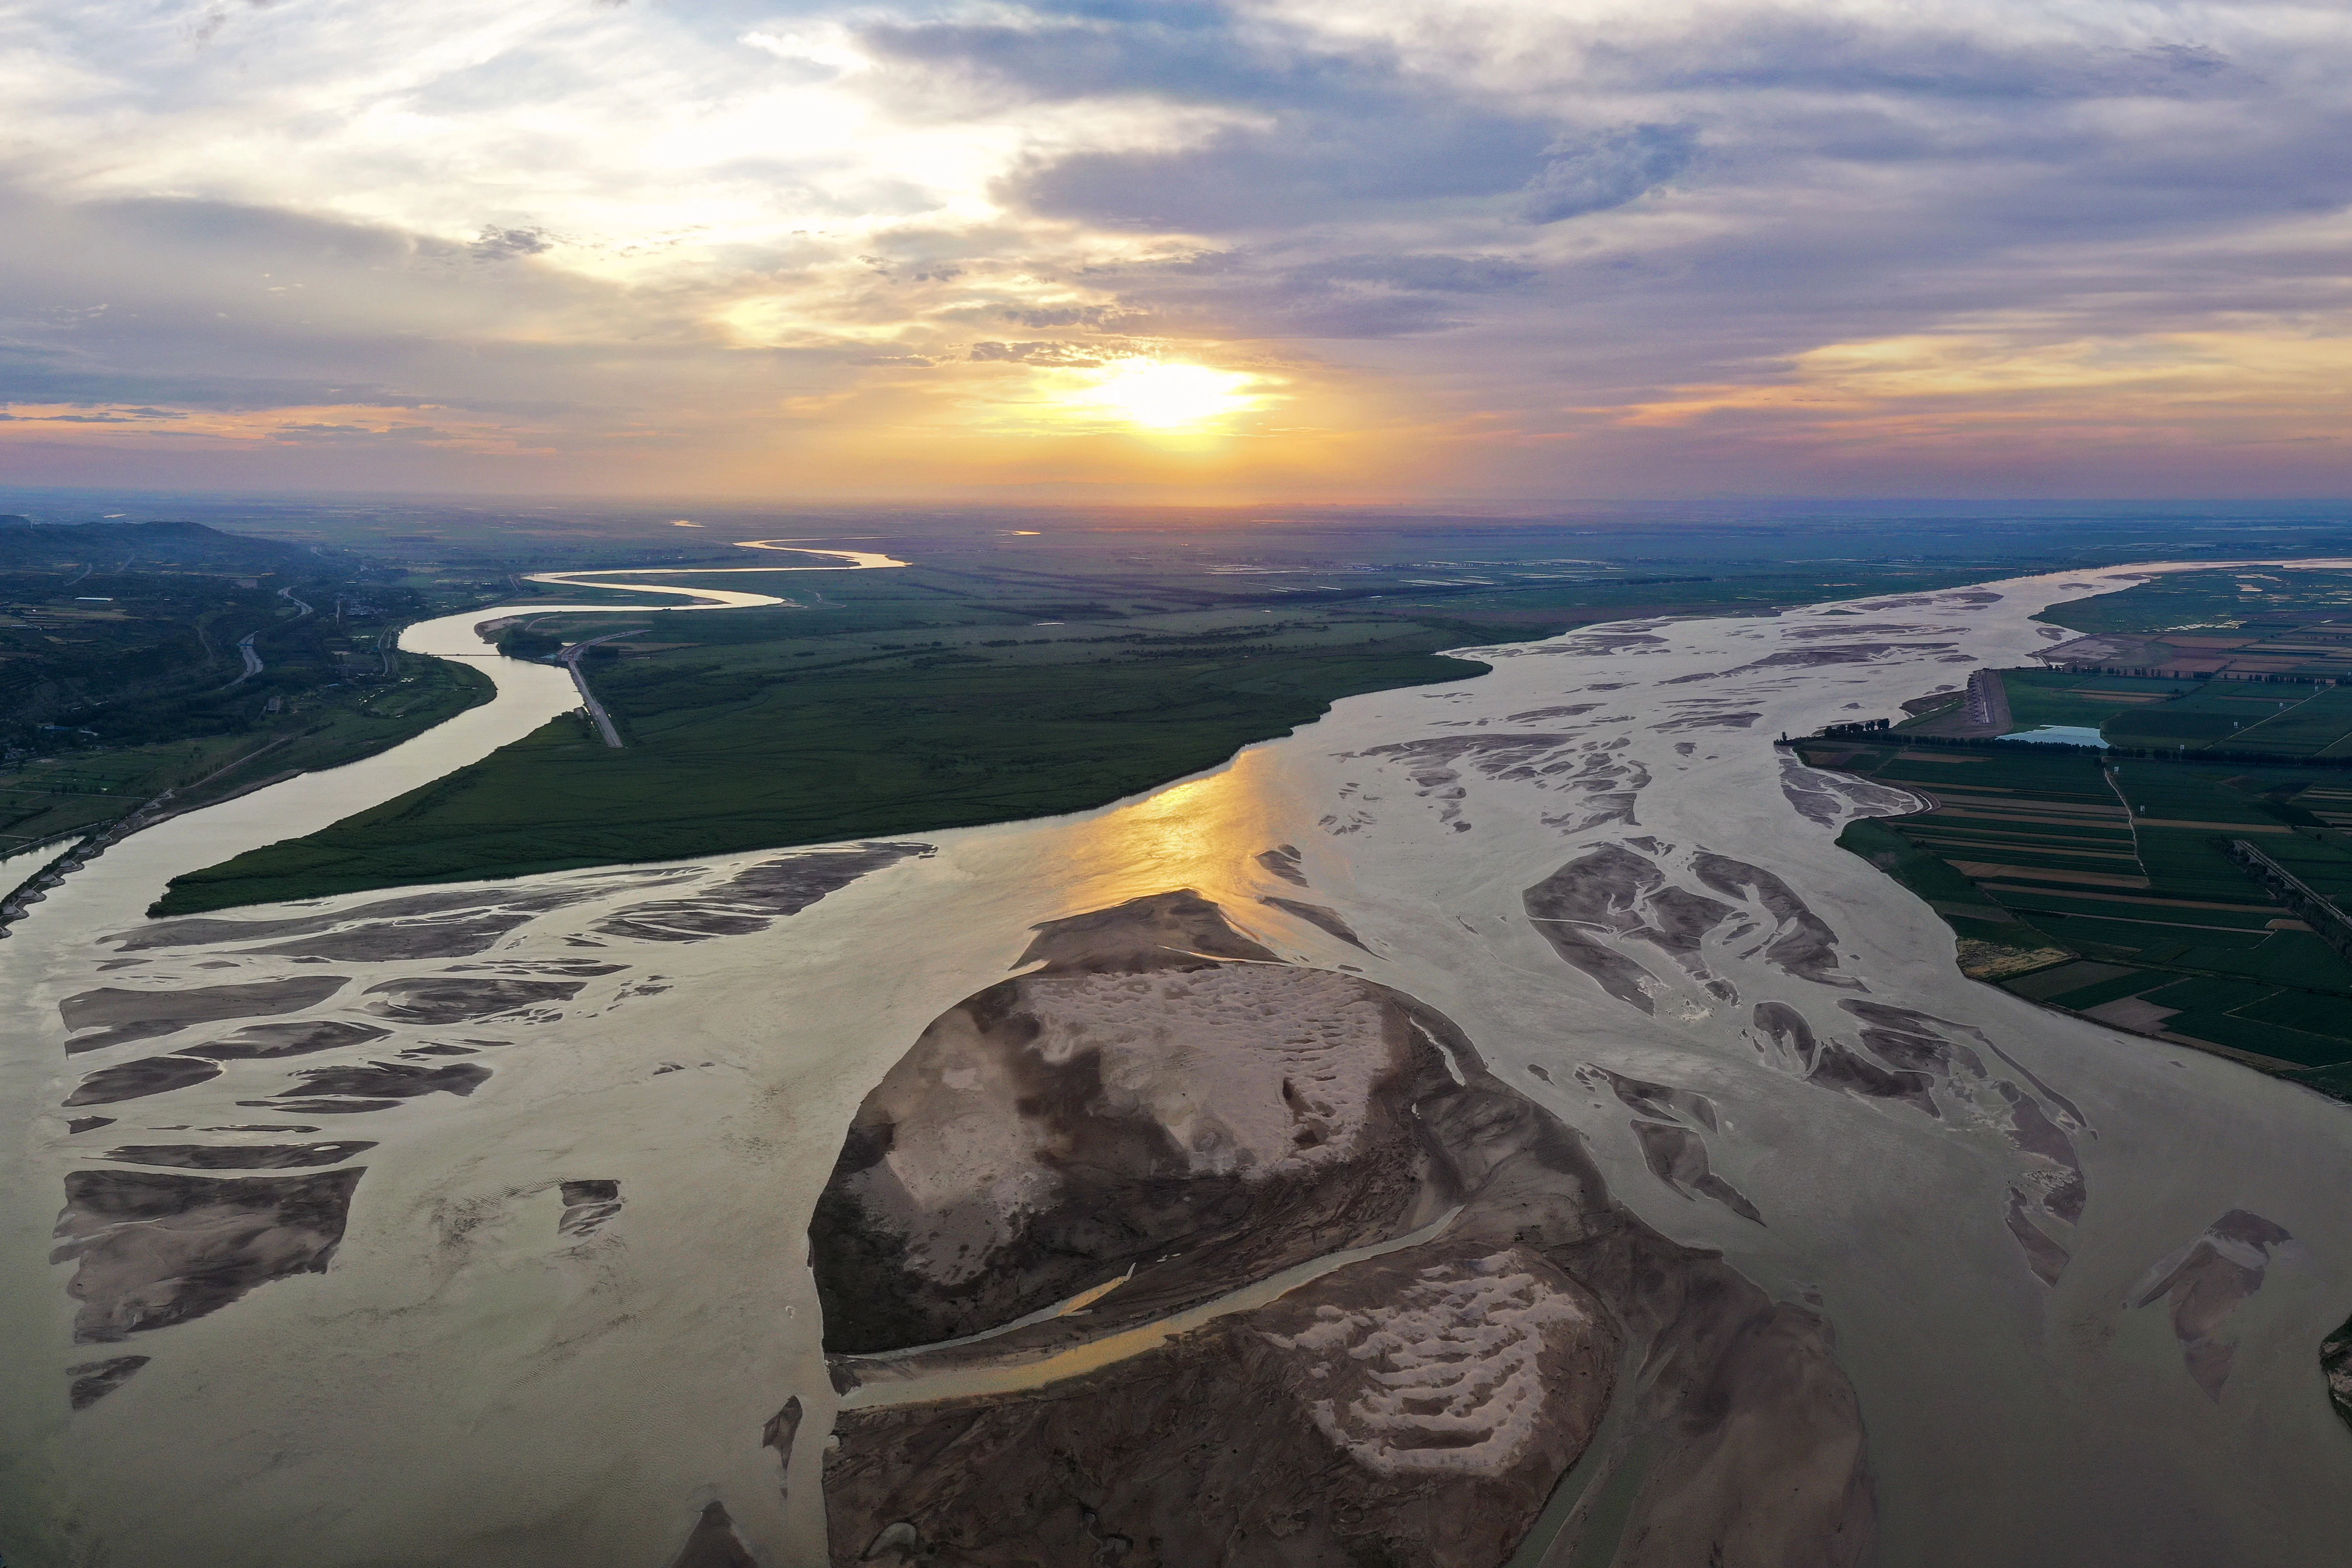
[468, 1384]
[894, 700]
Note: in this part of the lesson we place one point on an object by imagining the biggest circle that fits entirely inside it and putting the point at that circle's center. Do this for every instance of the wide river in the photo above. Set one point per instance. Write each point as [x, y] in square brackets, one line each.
[468, 1386]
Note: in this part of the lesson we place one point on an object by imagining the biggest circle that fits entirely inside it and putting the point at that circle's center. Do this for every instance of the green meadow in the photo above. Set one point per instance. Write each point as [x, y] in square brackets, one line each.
[950, 695]
[720, 757]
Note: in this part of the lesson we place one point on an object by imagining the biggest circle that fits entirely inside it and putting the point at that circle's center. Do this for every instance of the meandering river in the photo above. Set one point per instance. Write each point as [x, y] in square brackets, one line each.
[472, 1385]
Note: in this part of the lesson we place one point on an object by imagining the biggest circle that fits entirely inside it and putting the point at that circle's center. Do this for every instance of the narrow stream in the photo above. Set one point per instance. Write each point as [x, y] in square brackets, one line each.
[883, 1385]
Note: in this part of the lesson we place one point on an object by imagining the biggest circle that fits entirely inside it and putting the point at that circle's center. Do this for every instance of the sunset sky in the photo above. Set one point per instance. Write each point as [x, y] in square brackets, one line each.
[1386, 249]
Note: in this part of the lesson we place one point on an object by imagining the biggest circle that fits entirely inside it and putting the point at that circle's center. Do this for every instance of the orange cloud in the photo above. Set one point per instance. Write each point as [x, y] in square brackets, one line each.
[2257, 384]
[119, 425]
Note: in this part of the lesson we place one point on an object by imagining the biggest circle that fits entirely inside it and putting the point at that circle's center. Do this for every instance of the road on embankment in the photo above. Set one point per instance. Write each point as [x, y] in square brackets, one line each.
[569, 658]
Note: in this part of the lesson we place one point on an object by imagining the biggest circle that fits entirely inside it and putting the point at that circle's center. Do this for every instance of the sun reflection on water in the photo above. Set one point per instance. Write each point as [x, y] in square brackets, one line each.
[1197, 834]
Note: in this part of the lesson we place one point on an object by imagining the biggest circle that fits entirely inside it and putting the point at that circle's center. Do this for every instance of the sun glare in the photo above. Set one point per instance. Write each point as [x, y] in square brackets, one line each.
[1160, 396]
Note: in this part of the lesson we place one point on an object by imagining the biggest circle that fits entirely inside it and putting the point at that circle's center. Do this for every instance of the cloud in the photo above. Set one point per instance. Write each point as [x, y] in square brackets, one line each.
[646, 246]
[1305, 168]
[1098, 317]
[1768, 49]
[1176, 52]
[506, 244]
[1300, 126]
[40, 375]
[106, 416]
[1433, 271]
[316, 432]
[1275, 292]
[1593, 174]
[1044, 353]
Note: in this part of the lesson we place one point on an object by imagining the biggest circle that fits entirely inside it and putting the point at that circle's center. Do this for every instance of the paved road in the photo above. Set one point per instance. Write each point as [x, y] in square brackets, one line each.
[1988, 704]
[570, 660]
[1983, 710]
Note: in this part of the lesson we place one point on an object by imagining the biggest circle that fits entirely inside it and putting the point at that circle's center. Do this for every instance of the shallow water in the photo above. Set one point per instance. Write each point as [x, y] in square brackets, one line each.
[880, 1388]
[468, 1386]
[2058, 736]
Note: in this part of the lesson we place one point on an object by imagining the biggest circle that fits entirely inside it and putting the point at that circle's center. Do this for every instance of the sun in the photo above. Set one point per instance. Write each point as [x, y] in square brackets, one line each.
[1158, 395]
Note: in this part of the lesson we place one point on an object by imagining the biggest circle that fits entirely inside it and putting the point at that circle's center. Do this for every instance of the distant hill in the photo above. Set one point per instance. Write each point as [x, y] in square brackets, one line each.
[25, 545]
[140, 658]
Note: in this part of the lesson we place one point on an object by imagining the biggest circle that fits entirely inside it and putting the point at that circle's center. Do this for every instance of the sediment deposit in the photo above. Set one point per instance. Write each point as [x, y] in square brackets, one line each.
[1642, 1088]
[1419, 1406]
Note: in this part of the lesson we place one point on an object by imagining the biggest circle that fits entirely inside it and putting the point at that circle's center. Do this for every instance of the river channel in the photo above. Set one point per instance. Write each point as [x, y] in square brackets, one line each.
[472, 1385]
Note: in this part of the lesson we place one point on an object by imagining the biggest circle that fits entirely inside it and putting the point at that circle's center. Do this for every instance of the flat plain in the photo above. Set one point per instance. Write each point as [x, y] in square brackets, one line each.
[145, 659]
[2119, 886]
[1011, 676]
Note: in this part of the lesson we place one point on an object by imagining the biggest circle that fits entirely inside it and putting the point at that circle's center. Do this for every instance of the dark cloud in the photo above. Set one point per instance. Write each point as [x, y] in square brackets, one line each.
[322, 434]
[1593, 174]
[1353, 131]
[1306, 169]
[507, 244]
[1862, 177]
[110, 416]
[1786, 52]
[1375, 296]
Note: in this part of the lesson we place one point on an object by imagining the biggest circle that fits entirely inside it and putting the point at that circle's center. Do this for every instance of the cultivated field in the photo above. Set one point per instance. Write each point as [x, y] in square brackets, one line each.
[2110, 889]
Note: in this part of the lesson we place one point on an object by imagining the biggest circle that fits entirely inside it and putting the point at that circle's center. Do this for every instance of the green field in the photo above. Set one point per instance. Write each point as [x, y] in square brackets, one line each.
[2110, 891]
[2237, 662]
[45, 799]
[1026, 665]
[2236, 665]
[2039, 697]
[2104, 885]
[122, 676]
[971, 688]
[725, 754]
[2223, 599]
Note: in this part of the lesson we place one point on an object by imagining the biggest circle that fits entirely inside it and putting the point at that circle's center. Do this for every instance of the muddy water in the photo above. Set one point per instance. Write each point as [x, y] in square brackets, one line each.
[855, 561]
[881, 1388]
[528, 696]
[113, 889]
[467, 1386]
